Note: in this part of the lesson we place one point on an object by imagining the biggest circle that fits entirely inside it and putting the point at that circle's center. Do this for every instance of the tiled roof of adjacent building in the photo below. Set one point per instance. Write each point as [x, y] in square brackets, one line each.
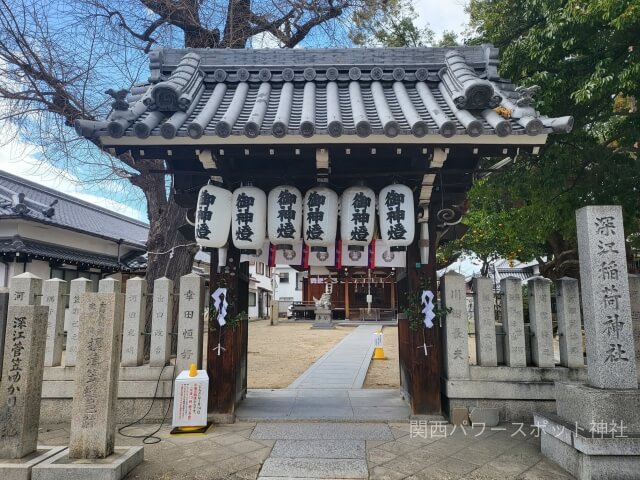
[252, 94]
[46, 251]
[20, 198]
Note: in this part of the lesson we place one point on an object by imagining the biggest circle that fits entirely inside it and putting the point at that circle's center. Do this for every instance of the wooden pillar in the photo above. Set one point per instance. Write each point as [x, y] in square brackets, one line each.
[227, 369]
[392, 286]
[420, 373]
[347, 315]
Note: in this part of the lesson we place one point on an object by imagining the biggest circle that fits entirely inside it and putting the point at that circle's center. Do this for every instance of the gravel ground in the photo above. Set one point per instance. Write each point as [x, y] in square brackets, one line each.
[278, 354]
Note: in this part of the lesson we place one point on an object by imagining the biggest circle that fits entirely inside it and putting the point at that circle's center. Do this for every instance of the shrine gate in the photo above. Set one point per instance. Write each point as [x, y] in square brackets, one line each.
[331, 119]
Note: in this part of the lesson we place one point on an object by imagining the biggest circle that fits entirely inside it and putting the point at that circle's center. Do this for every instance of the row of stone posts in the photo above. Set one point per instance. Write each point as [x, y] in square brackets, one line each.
[515, 348]
[568, 315]
[30, 290]
[105, 329]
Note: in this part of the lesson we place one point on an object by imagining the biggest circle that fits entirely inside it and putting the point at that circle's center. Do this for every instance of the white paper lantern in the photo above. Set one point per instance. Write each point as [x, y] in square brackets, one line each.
[320, 218]
[213, 216]
[357, 217]
[284, 219]
[397, 216]
[249, 218]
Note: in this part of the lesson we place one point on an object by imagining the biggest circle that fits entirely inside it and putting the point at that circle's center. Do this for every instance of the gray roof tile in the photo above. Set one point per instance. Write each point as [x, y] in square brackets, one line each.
[69, 255]
[68, 212]
[251, 93]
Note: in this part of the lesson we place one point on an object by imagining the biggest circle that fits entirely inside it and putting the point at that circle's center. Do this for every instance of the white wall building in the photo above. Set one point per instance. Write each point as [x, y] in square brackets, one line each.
[288, 287]
[53, 235]
[260, 289]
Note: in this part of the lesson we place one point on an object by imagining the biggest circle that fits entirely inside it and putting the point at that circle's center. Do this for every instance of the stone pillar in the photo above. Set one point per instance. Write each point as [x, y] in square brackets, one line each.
[540, 322]
[109, 285]
[25, 289]
[456, 337]
[93, 418]
[135, 312]
[190, 310]
[513, 322]
[4, 304]
[22, 372]
[569, 324]
[485, 322]
[77, 288]
[611, 360]
[634, 295]
[54, 296]
[161, 322]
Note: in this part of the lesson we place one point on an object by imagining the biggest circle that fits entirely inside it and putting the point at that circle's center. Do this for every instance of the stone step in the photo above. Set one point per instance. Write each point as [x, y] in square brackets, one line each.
[321, 431]
[328, 449]
[314, 468]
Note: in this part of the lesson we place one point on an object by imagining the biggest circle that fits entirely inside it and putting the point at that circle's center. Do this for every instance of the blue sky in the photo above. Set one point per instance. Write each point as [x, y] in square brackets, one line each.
[20, 158]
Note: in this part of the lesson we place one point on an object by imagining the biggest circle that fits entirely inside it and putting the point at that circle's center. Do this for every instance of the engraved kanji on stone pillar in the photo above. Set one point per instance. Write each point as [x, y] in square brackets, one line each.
[4, 305]
[540, 322]
[135, 310]
[93, 413]
[54, 296]
[611, 359]
[25, 289]
[190, 310]
[110, 285]
[456, 336]
[569, 323]
[634, 295]
[485, 322]
[161, 322]
[77, 288]
[21, 387]
[515, 354]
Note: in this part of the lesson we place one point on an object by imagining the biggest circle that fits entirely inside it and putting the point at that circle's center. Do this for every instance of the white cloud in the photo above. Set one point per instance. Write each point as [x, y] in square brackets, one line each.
[21, 159]
[442, 15]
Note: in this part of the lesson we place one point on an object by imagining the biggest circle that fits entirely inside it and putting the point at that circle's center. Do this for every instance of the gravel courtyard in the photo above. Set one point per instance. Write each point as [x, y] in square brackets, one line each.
[278, 354]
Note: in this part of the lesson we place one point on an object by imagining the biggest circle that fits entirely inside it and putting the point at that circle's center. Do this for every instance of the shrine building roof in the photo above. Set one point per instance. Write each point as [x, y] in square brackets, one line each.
[401, 95]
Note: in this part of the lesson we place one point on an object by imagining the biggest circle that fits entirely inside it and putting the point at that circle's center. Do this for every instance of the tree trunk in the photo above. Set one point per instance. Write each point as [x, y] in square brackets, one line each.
[169, 253]
[238, 27]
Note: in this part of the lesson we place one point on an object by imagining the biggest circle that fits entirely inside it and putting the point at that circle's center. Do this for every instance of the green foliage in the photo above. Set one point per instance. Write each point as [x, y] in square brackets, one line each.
[391, 25]
[413, 311]
[232, 320]
[585, 57]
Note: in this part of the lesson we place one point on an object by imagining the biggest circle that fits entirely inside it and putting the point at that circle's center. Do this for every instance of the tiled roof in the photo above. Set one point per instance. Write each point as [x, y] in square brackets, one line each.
[67, 212]
[45, 251]
[338, 92]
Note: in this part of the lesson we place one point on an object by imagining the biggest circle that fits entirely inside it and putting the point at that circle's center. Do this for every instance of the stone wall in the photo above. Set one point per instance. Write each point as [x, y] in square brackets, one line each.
[517, 360]
[139, 383]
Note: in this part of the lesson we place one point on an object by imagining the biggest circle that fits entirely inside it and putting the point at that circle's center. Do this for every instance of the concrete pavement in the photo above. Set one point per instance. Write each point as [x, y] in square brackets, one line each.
[392, 451]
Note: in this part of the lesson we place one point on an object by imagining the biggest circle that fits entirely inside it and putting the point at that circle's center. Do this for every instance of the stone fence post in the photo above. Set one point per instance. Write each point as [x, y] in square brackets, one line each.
[54, 296]
[456, 334]
[540, 322]
[190, 312]
[78, 287]
[485, 322]
[515, 354]
[161, 322]
[135, 312]
[569, 322]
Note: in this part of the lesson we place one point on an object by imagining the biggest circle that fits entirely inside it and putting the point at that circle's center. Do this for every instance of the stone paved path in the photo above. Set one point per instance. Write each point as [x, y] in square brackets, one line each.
[247, 451]
[331, 389]
[345, 365]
